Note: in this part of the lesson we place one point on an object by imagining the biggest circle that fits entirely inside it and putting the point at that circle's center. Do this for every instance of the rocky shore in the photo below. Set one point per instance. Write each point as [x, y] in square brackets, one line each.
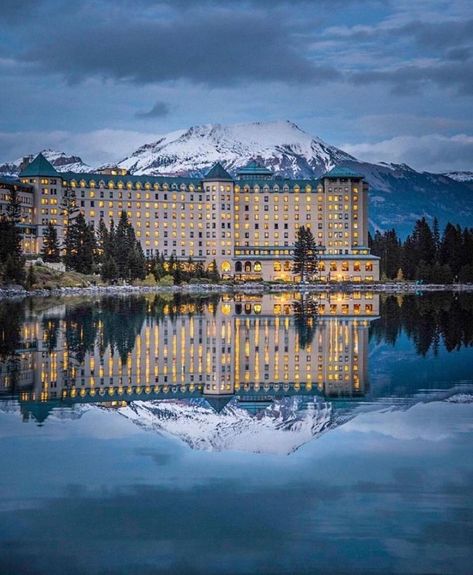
[199, 289]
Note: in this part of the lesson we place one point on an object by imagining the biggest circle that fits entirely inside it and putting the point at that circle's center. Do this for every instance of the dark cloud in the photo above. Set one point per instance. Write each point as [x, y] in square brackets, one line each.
[443, 34]
[216, 48]
[12, 11]
[461, 54]
[159, 110]
[408, 80]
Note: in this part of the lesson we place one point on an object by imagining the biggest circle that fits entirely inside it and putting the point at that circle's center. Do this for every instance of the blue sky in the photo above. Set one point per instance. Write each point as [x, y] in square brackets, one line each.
[385, 80]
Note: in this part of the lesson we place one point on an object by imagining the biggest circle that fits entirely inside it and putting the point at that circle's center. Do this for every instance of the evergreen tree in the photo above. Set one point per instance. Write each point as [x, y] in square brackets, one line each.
[424, 243]
[80, 246]
[51, 251]
[400, 275]
[305, 260]
[102, 242]
[30, 277]
[177, 272]
[69, 211]
[451, 248]
[12, 261]
[109, 270]
[213, 273]
[199, 269]
[408, 258]
[466, 274]
[436, 234]
[137, 263]
[158, 267]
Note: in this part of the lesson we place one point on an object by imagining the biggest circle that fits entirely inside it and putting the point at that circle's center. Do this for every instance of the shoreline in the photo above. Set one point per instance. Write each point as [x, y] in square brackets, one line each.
[202, 289]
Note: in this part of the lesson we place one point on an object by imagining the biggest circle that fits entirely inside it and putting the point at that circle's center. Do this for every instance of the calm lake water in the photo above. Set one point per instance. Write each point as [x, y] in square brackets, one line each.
[237, 435]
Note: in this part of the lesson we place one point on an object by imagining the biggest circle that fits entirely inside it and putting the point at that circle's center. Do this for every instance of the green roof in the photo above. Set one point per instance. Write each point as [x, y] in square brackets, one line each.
[254, 169]
[218, 172]
[95, 177]
[39, 167]
[341, 172]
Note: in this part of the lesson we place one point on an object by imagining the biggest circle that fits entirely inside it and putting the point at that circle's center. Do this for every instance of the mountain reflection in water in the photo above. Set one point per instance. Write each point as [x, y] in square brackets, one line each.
[261, 373]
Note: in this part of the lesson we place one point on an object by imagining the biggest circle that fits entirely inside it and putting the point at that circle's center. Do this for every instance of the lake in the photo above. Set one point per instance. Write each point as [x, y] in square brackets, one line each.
[279, 434]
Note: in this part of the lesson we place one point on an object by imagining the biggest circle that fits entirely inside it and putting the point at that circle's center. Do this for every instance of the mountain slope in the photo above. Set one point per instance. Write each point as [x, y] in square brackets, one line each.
[398, 194]
[460, 176]
[280, 428]
[60, 160]
[281, 146]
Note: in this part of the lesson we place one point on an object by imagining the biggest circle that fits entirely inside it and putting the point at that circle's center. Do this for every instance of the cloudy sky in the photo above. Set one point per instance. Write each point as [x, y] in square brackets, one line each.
[386, 80]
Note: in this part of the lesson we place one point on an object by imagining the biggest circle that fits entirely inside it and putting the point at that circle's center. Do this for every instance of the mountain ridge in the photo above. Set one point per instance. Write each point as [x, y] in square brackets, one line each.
[398, 194]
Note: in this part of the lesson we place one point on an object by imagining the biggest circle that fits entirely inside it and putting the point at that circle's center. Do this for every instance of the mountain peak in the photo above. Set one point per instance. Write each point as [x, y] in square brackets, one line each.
[281, 146]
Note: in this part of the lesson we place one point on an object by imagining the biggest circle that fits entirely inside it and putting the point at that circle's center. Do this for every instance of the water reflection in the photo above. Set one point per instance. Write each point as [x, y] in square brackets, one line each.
[208, 369]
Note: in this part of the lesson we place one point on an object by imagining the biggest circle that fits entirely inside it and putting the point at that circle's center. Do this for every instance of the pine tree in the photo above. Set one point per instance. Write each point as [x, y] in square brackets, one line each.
[424, 243]
[102, 242]
[436, 234]
[51, 251]
[12, 261]
[451, 248]
[199, 270]
[30, 277]
[109, 270]
[158, 267]
[80, 246]
[213, 273]
[305, 260]
[137, 263]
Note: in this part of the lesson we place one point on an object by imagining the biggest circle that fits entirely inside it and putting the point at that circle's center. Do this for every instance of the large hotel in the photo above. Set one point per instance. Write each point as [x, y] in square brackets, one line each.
[247, 223]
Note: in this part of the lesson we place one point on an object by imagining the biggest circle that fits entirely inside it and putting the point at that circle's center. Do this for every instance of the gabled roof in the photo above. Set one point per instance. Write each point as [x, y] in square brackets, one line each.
[218, 172]
[254, 169]
[341, 172]
[39, 167]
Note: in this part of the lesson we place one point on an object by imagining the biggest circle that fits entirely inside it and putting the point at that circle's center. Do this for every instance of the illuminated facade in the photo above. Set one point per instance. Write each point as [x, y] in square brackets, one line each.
[248, 346]
[248, 224]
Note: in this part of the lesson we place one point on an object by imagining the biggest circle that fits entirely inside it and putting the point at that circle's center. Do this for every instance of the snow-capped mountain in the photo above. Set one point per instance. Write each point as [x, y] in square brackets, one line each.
[399, 195]
[60, 160]
[281, 146]
[281, 428]
[460, 176]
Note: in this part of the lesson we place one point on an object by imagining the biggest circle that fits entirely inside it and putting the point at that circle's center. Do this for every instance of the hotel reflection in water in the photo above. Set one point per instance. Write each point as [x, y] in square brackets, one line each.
[251, 347]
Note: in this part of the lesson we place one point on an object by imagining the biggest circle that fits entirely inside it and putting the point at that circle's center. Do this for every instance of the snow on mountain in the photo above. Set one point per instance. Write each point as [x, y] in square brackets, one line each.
[281, 428]
[60, 160]
[281, 146]
[399, 195]
[460, 176]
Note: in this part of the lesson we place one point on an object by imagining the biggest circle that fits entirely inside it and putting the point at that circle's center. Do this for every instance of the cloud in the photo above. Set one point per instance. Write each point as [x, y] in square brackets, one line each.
[94, 147]
[409, 79]
[436, 421]
[433, 153]
[159, 110]
[13, 11]
[215, 48]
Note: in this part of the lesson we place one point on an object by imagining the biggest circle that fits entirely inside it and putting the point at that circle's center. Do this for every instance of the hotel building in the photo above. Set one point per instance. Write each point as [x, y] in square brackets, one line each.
[247, 223]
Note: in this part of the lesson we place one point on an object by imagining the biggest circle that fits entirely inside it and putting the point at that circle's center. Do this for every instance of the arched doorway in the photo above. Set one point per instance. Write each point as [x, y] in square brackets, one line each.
[226, 267]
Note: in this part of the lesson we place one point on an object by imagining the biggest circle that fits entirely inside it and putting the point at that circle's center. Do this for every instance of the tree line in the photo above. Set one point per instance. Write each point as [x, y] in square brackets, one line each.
[426, 254]
[428, 321]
